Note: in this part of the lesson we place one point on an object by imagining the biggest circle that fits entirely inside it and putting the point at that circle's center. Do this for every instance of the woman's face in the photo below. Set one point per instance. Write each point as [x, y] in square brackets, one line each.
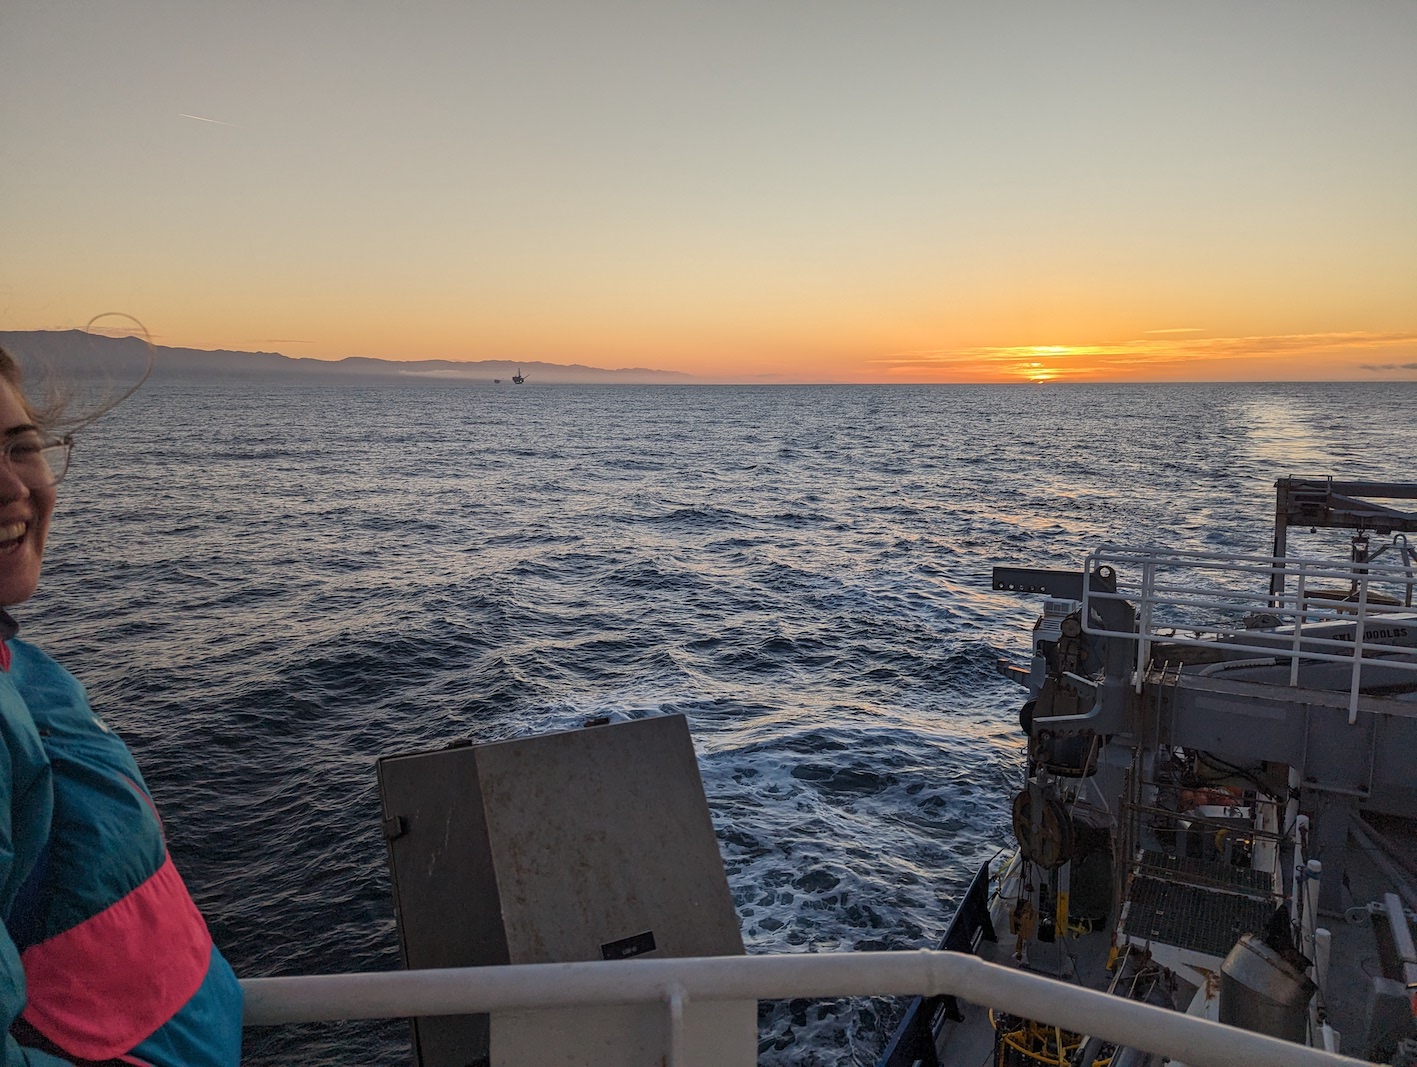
[25, 506]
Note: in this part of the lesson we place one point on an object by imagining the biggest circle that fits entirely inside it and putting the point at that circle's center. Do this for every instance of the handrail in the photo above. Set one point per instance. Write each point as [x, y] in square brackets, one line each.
[1175, 585]
[474, 990]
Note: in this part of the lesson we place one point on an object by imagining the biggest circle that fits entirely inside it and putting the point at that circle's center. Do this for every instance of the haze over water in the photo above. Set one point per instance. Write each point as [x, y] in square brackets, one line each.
[268, 586]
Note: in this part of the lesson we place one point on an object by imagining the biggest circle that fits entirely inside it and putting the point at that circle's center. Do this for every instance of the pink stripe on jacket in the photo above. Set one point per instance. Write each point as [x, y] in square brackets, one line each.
[100, 988]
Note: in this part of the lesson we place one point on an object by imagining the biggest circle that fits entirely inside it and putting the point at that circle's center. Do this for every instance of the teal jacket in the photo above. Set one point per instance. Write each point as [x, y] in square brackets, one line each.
[103, 958]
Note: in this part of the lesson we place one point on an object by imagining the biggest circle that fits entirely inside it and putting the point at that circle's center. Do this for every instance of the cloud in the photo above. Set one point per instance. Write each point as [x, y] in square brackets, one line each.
[1388, 366]
[1180, 329]
[203, 118]
[1026, 360]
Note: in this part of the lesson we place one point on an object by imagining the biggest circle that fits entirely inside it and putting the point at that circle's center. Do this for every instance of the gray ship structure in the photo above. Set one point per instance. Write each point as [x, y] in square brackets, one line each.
[1220, 788]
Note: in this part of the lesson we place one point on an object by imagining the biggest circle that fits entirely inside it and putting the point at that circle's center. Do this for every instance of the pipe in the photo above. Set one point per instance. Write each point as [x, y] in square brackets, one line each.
[467, 990]
[1091, 1049]
[1296, 888]
[1291, 805]
[1394, 853]
[1266, 849]
[1236, 664]
[677, 1050]
[1401, 939]
[1382, 863]
[1323, 953]
[1313, 874]
[1330, 1037]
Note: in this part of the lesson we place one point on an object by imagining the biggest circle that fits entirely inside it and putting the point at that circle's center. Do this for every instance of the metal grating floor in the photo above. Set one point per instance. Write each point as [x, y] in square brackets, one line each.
[1206, 872]
[1192, 917]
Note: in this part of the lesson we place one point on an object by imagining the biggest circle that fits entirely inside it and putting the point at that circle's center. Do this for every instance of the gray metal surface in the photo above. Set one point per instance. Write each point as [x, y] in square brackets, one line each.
[585, 845]
[1263, 992]
[1304, 728]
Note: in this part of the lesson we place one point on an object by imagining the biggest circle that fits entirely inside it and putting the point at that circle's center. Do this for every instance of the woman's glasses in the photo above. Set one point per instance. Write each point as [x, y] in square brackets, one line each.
[41, 460]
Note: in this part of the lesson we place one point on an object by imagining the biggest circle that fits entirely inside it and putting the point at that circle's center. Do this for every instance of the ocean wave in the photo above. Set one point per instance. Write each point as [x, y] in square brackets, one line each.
[802, 573]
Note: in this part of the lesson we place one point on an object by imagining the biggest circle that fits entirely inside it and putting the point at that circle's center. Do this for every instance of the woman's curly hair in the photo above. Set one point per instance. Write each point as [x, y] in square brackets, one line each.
[56, 411]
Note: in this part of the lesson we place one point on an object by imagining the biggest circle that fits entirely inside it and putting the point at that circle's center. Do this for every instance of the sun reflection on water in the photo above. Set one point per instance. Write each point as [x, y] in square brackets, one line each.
[1281, 433]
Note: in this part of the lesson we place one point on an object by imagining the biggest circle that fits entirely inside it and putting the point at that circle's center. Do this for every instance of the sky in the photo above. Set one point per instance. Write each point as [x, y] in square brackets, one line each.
[764, 191]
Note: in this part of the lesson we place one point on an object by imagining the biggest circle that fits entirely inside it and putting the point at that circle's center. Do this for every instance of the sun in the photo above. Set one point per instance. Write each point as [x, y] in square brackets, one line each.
[1037, 373]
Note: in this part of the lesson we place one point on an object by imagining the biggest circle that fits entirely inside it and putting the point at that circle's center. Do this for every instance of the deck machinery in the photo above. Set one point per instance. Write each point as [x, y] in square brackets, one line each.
[1222, 774]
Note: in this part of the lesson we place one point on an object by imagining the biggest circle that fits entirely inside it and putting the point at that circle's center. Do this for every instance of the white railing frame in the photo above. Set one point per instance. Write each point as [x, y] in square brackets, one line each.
[673, 983]
[1156, 592]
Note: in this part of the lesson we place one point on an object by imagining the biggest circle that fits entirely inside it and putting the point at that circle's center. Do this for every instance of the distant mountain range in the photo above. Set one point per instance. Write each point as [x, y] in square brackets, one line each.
[76, 353]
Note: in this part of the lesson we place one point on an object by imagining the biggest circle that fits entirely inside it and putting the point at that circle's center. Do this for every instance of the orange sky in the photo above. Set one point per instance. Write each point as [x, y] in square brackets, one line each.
[786, 192]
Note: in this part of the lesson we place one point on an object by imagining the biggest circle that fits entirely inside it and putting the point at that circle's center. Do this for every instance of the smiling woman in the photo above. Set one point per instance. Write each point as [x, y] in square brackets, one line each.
[103, 956]
[26, 496]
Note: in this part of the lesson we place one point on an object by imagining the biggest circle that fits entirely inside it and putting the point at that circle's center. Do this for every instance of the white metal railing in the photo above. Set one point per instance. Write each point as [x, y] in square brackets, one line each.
[1203, 598]
[675, 982]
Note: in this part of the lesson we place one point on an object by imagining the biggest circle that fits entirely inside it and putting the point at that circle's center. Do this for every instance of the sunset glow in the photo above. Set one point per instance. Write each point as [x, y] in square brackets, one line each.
[833, 193]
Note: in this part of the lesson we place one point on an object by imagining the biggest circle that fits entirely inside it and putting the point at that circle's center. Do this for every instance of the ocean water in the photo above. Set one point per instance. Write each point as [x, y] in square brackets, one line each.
[268, 585]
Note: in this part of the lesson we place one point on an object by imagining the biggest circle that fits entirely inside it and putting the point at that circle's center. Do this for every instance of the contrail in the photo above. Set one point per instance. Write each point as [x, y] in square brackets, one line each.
[202, 118]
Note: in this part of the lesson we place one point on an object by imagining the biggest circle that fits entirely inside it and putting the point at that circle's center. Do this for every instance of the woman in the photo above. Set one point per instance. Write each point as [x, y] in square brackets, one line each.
[104, 957]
